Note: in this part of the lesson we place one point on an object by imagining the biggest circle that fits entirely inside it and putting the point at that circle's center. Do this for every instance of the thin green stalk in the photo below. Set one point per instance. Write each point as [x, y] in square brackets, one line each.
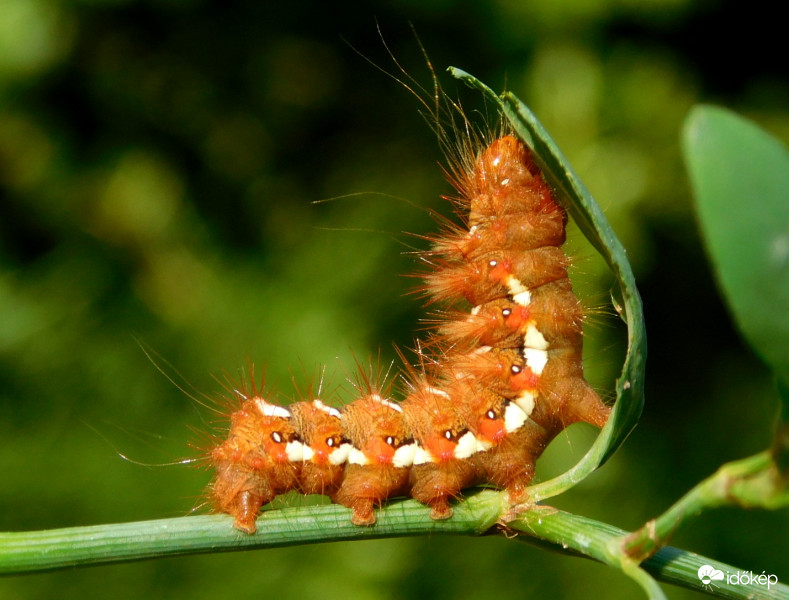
[574, 534]
[28, 552]
[583, 537]
[752, 482]
[478, 514]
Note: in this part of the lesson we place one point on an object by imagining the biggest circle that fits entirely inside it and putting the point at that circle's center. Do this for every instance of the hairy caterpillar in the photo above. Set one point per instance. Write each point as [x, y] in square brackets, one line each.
[503, 378]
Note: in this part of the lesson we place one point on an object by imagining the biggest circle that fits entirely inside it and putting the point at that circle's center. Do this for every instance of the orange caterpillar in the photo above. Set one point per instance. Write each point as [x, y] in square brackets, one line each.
[523, 338]
[504, 379]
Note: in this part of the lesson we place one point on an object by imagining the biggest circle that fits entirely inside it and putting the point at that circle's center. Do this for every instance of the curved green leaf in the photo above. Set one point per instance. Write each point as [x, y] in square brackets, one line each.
[591, 220]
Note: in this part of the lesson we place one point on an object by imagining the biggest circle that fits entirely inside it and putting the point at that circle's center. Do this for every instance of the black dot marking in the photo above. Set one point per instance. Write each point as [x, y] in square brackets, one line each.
[330, 442]
[491, 414]
[390, 440]
[276, 436]
[448, 434]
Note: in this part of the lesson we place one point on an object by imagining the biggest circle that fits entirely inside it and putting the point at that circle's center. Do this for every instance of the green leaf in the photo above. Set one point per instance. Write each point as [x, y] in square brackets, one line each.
[572, 193]
[740, 178]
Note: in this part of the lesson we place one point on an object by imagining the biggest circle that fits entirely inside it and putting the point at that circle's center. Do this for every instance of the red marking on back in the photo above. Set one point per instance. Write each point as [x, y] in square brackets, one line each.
[441, 448]
[525, 380]
[493, 430]
[518, 317]
[501, 272]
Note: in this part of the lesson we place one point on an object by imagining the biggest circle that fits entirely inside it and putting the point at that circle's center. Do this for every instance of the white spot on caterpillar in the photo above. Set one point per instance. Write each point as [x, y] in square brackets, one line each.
[404, 455]
[436, 392]
[535, 359]
[298, 452]
[309, 453]
[357, 457]
[534, 339]
[340, 454]
[515, 286]
[520, 293]
[422, 456]
[476, 309]
[390, 404]
[484, 445]
[522, 298]
[272, 410]
[514, 417]
[505, 181]
[327, 409]
[468, 444]
[525, 402]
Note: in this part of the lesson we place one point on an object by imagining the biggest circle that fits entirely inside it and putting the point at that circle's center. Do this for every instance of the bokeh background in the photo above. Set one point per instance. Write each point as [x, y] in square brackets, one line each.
[159, 166]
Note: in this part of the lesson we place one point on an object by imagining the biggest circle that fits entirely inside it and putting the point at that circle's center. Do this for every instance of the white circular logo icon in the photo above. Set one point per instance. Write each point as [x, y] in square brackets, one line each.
[708, 574]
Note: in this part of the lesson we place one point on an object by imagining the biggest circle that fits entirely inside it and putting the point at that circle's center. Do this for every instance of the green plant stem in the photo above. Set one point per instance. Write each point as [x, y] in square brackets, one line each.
[27, 552]
[574, 534]
[752, 482]
[478, 514]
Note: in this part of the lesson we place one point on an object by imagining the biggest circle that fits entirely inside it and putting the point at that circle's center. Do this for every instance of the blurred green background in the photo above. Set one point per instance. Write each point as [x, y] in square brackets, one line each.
[159, 166]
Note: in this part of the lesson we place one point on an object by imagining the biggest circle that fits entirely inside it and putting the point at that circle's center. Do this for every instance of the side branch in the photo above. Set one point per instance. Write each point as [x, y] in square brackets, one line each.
[580, 536]
[753, 482]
